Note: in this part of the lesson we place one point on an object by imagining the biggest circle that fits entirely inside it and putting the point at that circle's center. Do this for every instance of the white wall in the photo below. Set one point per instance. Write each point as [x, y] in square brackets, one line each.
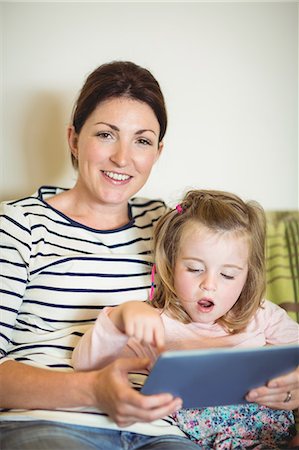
[229, 72]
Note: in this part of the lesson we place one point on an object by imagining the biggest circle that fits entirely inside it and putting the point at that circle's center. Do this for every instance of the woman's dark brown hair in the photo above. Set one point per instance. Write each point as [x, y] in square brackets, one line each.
[119, 79]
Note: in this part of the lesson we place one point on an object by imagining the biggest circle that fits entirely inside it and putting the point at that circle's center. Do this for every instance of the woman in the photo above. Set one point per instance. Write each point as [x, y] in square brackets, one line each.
[68, 253]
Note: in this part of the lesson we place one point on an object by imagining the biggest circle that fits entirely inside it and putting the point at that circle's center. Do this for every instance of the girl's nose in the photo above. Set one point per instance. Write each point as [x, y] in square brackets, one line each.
[120, 156]
[207, 284]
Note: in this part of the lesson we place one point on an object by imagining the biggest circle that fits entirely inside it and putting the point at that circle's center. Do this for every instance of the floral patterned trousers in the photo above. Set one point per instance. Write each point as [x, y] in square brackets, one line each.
[238, 427]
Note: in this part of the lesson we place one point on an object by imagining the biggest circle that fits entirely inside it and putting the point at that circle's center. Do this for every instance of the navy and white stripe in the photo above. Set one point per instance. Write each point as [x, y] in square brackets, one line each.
[56, 275]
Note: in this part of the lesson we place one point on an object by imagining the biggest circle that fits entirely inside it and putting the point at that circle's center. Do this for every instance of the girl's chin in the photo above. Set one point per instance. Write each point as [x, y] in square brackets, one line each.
[202, 318]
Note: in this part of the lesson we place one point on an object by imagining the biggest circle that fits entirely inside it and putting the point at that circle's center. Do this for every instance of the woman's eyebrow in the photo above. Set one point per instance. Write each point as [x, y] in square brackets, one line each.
[115, 128]
[145, 129]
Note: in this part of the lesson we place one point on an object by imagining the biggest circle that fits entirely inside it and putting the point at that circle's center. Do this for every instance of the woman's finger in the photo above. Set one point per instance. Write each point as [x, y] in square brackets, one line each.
[134, 414]
[290, 380]
[275, 398]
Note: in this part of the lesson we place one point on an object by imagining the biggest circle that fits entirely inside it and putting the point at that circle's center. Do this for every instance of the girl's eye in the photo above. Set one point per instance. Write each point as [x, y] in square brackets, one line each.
[191, 269]
[227, 277]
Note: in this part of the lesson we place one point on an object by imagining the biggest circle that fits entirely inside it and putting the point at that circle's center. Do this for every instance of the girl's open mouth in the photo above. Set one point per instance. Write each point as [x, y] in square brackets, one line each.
[205, 305]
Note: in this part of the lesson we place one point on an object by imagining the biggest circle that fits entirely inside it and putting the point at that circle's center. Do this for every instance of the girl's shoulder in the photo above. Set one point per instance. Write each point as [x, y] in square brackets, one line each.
[271, 314]
[268, 307]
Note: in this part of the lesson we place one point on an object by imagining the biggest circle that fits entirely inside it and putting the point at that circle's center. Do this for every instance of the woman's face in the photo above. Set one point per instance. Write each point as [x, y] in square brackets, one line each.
[116, 150]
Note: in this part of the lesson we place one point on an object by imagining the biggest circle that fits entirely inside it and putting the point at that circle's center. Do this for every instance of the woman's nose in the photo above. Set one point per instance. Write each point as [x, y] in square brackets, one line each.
[120, 155]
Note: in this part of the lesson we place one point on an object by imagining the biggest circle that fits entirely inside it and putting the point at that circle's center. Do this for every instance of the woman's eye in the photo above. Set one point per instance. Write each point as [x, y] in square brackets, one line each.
[144, 141]
[104, 135]
[227, 277]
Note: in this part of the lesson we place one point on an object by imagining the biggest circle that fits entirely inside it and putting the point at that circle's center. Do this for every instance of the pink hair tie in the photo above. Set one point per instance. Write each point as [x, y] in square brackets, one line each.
[151, 296]
[179, 209]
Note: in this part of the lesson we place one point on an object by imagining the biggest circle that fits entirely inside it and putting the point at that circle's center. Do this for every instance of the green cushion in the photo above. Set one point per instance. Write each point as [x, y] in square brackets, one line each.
[282, 260]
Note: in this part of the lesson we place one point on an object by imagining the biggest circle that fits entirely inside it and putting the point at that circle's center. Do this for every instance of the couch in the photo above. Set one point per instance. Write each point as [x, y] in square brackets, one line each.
[282, 260]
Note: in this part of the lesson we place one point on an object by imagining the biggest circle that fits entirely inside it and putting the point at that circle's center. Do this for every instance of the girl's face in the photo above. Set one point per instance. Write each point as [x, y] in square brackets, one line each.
[210, 272]
[116, 149]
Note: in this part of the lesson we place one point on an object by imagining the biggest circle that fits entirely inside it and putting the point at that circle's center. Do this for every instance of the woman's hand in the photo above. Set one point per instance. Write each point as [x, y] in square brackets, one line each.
[23, 387]
[278, 391]
[113, 394]
[141, 321]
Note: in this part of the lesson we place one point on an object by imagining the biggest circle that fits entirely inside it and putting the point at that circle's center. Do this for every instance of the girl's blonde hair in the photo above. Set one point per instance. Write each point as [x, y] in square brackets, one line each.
[219, 212]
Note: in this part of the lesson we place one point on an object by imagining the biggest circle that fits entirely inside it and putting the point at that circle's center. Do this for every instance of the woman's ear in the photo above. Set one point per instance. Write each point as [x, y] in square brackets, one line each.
[72, 137]
[160, 148]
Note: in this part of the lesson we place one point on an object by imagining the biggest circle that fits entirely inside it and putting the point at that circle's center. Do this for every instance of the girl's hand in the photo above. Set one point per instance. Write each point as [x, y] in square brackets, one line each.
[141, 321]
[112, 393]
[276, 392]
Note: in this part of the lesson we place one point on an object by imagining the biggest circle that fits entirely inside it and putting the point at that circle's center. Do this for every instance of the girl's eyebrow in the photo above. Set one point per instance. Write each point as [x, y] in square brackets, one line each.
[227, 266]
[233, 266]
[192, 258]
[115, 128]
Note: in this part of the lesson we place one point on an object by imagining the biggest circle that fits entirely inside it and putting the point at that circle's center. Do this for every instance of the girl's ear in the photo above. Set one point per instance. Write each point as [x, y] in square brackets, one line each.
[72, 137]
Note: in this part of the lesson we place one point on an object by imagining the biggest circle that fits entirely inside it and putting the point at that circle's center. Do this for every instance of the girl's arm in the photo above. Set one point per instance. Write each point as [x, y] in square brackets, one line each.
[107, 340]
[141, 321]
[102, 344]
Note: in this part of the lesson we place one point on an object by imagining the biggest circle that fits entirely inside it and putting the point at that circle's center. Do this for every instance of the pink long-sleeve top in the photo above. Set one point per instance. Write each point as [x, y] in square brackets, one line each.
[103, 343]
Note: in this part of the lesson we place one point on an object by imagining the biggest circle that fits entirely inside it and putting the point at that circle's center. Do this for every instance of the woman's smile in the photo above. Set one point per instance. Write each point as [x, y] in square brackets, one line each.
[115, 177]
[119, 141]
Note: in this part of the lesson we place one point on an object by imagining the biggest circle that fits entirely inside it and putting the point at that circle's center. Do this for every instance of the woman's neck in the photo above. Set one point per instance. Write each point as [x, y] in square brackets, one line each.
[76, 206]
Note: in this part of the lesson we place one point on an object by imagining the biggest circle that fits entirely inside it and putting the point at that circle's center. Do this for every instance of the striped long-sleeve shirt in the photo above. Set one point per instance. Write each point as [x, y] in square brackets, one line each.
[56, 275]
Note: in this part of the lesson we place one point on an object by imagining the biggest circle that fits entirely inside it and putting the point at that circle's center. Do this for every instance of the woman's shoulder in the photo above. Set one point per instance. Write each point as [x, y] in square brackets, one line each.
[36, 198]
[18, 210]
[147, 203]
[145, 209]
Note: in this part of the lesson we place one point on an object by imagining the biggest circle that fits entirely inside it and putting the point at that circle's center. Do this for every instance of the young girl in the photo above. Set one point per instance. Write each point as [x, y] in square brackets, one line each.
[210, 281]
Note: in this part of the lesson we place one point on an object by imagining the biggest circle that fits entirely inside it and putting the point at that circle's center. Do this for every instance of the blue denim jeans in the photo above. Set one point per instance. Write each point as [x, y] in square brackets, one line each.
[46, 435]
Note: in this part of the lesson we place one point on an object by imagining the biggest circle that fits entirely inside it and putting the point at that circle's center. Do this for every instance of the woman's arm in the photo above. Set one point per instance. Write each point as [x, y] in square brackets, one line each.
[26, 387]
[108, 389]
[279, 329]
[274, 394]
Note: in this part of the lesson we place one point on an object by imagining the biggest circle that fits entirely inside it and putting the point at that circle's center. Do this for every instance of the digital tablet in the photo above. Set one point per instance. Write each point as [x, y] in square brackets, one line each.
[217, 377]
